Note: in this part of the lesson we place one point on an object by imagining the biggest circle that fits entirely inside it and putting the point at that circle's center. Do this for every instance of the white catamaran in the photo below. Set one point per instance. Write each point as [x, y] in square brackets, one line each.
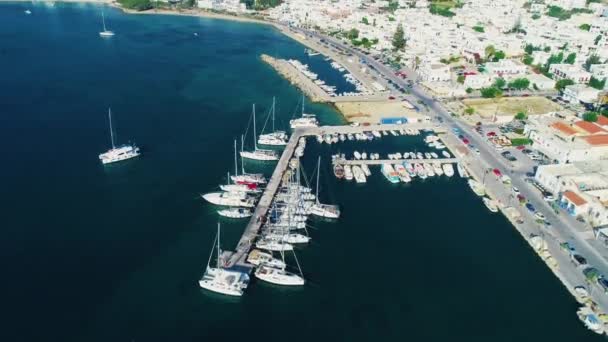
[259, 154]
[119, 153]
[307, 120]
[276, 138]
[105, 32]
[221, 280]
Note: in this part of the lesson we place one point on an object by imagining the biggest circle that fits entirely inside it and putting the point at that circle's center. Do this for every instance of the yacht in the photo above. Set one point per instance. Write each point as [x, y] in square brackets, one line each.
[324, 210]
[477, 187]
[306, 120]
[338, 171]
[221, 280]
[389, 173]
[348, 172]
[257, 258]
[359, 174]
[259, 154]
[249, 179]
[116, 154]
[366, 170]
[448, 169]
[229, 199]
[437, 169]
[235, 212]
[462, 172]
[278, 276]
[273, 245]
[292, 238]
[276, 138]
[105, 32]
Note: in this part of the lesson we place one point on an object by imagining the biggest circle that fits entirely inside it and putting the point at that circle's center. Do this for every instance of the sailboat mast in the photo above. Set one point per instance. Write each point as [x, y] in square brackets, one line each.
[255, 142]
[318, 171]
[218, 245]
[303, 104]
[103, 20]
[236, 164]
[111, 130]
[211, 254]
[242, 164]
[273, 104]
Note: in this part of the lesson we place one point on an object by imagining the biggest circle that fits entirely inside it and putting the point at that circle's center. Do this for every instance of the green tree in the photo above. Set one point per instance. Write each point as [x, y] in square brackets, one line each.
[469, 110]
[535, 16]
[352, 34]
[597, 39]
[498, 55]
[441, 10]
[520, 83]
[460, 79]
[393, 5]
[399, 38]
[597, 84]
[500, 83]
[138, 5]
[593, 59]
[559, 13]
[590, 116]
[490, 92]
[528, 59]
[478, 28]
[490, 51]
[561, 84]
[570, 59]
[585, 27]
[365, 21]
[531, 48]
[521, 116]
[469, 90]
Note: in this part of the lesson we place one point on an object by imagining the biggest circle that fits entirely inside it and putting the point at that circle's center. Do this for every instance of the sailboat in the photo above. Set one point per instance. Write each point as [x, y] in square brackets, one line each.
[259, 154]
[307, 120]
[220, 280]
[276, 138]
[323, 210]
[249, 179]
[105, 32]
[119, 153]
[280, 276]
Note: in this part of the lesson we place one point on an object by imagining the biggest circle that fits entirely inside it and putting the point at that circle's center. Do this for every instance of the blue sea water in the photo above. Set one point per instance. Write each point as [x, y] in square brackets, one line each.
[93, 253]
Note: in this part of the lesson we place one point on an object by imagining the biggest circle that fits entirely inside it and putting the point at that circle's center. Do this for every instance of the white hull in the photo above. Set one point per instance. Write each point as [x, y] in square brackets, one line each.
[224, 282]
[226, 199]
[106, 34]
[257, 155]
[278, 276]
[119, 154]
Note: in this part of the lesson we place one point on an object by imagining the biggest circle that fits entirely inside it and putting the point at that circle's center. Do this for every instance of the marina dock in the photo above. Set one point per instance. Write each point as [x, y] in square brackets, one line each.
[395, 161]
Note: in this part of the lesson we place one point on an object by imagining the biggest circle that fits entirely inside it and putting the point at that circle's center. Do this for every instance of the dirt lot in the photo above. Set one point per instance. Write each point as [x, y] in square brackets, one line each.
[512, 105]
[372, 112]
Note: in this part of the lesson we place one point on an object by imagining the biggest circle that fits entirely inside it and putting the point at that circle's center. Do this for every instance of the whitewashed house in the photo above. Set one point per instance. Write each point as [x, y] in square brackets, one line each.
[569, 71]
[580, 93]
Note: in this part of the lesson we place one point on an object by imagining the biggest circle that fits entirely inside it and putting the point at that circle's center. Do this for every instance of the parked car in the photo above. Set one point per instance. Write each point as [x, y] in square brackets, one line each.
[567, 246]
[579, 260]
[530, 207]
[539, 216]
[603, 283]
[497, 172]
[548, 197]
[515, 190]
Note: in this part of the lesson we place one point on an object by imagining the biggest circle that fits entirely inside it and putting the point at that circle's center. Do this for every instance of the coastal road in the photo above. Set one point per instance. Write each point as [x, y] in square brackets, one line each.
[563, 228]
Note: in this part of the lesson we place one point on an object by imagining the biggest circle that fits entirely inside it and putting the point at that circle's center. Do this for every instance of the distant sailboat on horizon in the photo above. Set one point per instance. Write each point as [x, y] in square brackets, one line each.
[105, 32]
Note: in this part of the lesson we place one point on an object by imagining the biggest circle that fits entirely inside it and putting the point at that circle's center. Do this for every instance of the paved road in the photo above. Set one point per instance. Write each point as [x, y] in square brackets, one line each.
[563, 228]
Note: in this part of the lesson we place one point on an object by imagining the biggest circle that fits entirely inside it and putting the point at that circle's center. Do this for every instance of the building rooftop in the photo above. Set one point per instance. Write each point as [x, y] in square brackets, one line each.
[589, 127]
[562, 127]
[574, 198]
[597, 140]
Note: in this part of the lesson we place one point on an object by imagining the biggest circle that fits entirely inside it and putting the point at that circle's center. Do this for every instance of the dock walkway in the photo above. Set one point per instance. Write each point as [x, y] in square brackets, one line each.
[394, 161]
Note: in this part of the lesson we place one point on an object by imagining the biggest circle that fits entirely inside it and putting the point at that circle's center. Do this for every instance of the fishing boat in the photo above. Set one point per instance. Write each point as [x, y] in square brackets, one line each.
[389, 172]
[221, 280]
[259, 154]
[338, 171]
[105, 32]
[446, 154]
[348, 172]
[275, 138]
[323, 210]
[403, 174]
[448, 169]
[120, 153]
[235, 213]
[306, 120]
[490, 204]
[229, 199]
[359, 174]
[366, 170]
[258, 258]
[477, 187]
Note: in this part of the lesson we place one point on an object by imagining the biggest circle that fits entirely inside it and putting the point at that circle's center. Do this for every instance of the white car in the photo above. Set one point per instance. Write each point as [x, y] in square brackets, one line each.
[539, 215]
[515, 190]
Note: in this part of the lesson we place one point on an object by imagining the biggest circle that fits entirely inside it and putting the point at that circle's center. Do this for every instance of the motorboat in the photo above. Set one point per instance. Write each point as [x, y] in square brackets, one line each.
[427, 155]
[477, 187]
[446, 154]
[437, 168]
[403, 174]
[258, 258]
[338, 171]
[491, 204]
[348, 172]
[366, 170]
[359, 174]
[363, 155]
[235, 212]
[448, 169]
[357, 155]
[428, 169]
[590, 320]
[434, 155]
[120, 153]
[218, 279]
[462, 172]
[389, 172]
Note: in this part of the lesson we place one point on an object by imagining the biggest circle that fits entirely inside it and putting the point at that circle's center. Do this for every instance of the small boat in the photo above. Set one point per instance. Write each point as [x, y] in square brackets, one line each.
[366, 170]
[320, 138]
[434, 155]
[477, 187]
[350, 136]
[28, 12]
[427, 155]
[385, 133]
[348, 172]
[397, 155]
[590, 320]
[235, 212]
[357, 155]
[389, 172]
[338, 171]
[342, 137]
[437, 169]
[403, 174]
[491, 204]
[394, 133]
[359, 174]
[448, 169]
[363, 155]
[419, 155]
[446, 154]
[376, 134]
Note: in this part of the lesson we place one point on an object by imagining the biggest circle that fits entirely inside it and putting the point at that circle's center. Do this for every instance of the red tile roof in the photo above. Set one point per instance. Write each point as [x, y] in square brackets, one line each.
[574, 198]
[602, 120]
[597, 140]
[589, 127]
[562, 127]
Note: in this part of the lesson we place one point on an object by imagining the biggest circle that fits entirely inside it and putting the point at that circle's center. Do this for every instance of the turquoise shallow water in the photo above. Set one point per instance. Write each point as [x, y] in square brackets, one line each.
[114, 254]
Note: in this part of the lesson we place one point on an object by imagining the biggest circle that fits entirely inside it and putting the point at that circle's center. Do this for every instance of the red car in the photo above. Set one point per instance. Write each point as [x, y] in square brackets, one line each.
[497, 172]
[391, 97]
[520, 147]
[465, 141]
[491, 134]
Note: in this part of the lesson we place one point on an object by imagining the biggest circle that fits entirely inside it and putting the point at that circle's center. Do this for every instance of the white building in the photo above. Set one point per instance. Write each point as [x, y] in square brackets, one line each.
[506, 67]
[599, 71]
[434, 72]
[580, 93]
[541, 81]
[567, 142]
[477, 81]
[569, 71]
